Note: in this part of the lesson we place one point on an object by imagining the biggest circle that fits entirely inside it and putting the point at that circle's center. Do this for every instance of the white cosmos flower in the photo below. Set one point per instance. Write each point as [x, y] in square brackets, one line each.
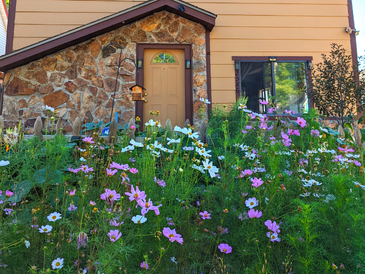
[200, 168]
[136, 144]
[150, 123]
[203, 152]
[251, 202]
[192, 135]
[139, 219]
[210, 167]
[49, 108]
[127, 148]
[221, 157]
[82, 159]
[242, 106]
[167, 150]
[155, 145]
[206, 101]
[4, 163]
[173, 141]
[57, 263]
[54, 216]
[45, 229]
[27, 244]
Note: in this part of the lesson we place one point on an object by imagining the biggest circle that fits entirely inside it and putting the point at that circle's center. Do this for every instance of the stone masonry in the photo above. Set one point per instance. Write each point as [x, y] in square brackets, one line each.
[79, 81]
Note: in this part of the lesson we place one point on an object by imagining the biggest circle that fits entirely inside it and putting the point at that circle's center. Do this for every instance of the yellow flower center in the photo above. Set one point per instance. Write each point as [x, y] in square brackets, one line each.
[111, 196]
[54, 217]
[147, 205]
[136, 195]
[139, 221]
[45, 229]
[205, 215]
[58, 264]
[272, 237]
[123, 175]
[209, 167]
[171, 235]
[95, 209]
[84, 167]
[113, 237]
[251, 203]
[224, 250]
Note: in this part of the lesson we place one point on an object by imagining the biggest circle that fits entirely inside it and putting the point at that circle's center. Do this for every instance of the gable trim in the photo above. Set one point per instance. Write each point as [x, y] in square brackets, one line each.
[101, 26]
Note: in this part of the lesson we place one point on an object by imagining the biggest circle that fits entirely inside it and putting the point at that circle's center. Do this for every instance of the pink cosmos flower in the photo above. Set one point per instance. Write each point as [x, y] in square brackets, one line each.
[86, 169]
[263, 102]
[342, 266]
[271, 110]
[143, 264]
[114, 235]
[160, 182]
[133, 170]
[256, 182]
[225, 248]
[263, 126]
[346, 150]
[302, 122]
[293, 132]
[88, 140]
[92, 203]
[132, 128]
[72, 192]
[248, 127]
[110, 196]
[253, 116]
[135, 194]
[273, 226]
[115, 223]
[8, 193]
[74, 170]
[205, 215]
[169, 221]
[244, 131]
[254, 213]
[125, 178]
[119, 166]
[110, 172]
[273, 237]
[82, 239]
[246, 172]
[172, 235]
[147, 206]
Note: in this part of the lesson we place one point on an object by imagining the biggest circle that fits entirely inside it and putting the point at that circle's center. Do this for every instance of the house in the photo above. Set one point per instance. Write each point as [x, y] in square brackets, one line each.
[178, 51]
[3, 26]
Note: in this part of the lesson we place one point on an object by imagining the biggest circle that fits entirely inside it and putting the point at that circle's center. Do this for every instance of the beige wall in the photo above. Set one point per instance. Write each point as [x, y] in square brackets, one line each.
[243, 28]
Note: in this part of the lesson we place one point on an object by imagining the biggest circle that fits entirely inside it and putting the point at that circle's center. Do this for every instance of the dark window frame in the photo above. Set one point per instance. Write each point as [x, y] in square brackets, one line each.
[307, 60]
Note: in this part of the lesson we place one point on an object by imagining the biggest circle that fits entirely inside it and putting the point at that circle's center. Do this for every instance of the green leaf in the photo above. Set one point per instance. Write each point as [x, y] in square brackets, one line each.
[361, 119]
[20, 190]
[47, 176]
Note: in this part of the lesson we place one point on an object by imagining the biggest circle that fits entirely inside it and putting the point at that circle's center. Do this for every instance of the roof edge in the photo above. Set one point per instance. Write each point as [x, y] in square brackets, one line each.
[83, 33]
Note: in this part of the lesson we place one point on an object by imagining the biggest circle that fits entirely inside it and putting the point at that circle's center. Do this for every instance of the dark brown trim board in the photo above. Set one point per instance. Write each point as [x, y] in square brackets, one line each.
[10, 29]
[208, 68]
[278, 58]
[188, 77]
[266, 59]
[352, 35]
[78, 35]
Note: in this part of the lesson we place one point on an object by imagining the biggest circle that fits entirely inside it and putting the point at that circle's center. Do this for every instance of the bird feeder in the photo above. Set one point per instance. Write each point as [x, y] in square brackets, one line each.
[137, 92]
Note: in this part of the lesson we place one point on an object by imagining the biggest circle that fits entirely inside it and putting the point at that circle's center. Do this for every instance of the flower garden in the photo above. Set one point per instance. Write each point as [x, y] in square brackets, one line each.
[260, 196]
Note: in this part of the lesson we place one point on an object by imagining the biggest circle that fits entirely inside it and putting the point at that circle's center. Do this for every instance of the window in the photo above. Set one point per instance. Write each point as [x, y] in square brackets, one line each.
[164, 58]
[286, 80]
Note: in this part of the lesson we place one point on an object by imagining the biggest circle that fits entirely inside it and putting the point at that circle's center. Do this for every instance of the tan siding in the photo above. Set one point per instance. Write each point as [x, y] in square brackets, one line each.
[243, 28]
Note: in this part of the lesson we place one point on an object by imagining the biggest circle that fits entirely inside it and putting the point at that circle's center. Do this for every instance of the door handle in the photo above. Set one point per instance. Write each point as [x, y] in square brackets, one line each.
[146, 94]
[145, 100]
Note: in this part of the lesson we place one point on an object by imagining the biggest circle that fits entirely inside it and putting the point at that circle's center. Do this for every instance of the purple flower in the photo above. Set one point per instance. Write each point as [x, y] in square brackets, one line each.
[254, 213]
[110, 196]
[86, 169]
[172, 235]
[115, 223]
[74, 170]
[72, 207]
[205, 215]
[72, 192]
[315, 133]
[144, 265]
[82, 239]
[135, 194]
[222, 230]
[263, 102]
[111, 172]
[8, 193]
[147, 206]
[160, 182]
[114, 235]
[169, 221]
[225, 248]
[246, 172]
[8, 211]
[132, 160]
[273, 226]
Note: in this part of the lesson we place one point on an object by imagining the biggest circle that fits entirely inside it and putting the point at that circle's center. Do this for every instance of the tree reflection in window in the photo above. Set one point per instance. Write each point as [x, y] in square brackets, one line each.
[164, 58]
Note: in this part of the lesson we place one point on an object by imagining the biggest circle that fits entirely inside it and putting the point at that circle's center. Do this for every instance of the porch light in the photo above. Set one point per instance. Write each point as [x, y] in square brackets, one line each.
[137, 93]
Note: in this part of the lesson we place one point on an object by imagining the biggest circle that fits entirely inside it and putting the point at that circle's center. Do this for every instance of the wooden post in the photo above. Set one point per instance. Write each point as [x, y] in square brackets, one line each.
[203, 132]
[76, 128]
[187, 122]
[1, 127]
[38, 128]
[132, 122]
[59, 127]
[168, 125]
[341, 131]
[358, 136]
[113, 128]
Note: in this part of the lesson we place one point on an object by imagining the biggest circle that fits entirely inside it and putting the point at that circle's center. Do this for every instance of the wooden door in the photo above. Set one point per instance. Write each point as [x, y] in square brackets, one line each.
[164, 80]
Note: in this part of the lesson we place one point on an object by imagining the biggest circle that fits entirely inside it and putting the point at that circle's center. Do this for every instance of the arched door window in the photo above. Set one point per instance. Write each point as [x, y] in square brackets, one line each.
[164, 58]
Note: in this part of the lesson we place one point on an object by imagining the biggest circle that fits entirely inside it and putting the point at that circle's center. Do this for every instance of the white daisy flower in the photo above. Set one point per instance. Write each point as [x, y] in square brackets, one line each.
[206, 101]
[54, 216]
[4, 163]
[45, 229]
[49, 108]
[57, 263]
[173, 141]
[127, 148]
[136, 144]
[27, 244]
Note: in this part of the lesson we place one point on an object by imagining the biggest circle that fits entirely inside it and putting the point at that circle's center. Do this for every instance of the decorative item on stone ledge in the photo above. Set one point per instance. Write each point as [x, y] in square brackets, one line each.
[137, 93]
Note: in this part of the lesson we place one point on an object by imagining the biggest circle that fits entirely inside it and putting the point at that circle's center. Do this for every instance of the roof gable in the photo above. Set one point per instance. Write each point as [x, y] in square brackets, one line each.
[103, 25]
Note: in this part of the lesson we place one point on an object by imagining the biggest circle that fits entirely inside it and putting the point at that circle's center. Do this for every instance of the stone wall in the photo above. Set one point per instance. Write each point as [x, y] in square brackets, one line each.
[79, 81]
